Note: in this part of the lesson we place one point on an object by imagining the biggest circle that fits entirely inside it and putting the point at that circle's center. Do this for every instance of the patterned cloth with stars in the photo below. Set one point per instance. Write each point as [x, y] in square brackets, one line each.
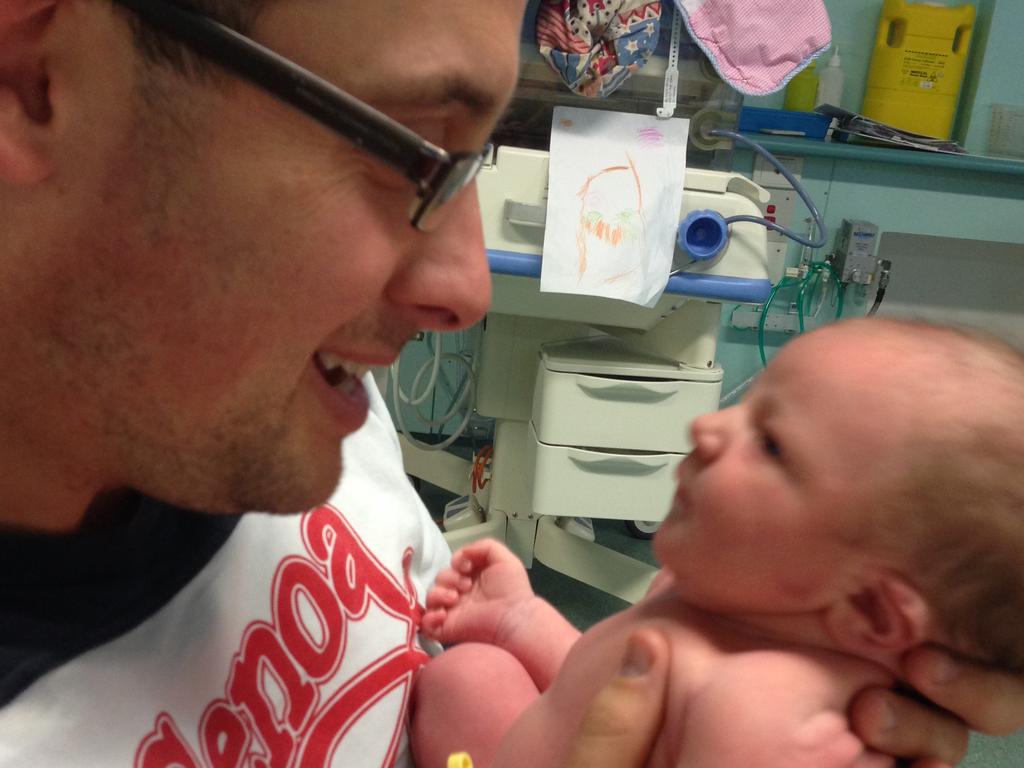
[594, 45]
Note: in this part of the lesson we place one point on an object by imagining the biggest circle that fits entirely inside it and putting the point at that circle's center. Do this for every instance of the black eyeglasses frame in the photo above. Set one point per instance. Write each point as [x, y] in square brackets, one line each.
[437, 174]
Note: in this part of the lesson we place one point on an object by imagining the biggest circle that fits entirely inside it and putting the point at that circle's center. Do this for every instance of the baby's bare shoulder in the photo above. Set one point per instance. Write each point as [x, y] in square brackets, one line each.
[777, 707]
[836, 676]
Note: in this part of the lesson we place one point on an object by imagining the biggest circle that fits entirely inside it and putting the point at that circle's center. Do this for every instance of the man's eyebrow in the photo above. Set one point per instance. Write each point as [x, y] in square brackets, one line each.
[442, 91]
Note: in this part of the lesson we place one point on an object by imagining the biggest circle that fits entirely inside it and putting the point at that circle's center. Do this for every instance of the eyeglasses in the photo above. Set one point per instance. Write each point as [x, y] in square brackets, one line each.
[438, 175]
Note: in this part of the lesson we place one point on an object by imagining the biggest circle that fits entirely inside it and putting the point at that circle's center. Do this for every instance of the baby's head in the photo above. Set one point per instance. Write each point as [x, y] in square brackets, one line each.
[873, 468]
[956, 506]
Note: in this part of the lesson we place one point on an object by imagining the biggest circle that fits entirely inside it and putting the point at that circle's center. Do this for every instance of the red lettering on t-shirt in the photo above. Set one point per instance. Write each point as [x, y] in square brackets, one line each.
[225, 736]
[164, 747]
[274, 712]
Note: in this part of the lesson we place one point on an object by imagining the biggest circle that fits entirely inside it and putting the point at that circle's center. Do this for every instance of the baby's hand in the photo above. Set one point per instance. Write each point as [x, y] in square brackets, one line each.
[472, 598]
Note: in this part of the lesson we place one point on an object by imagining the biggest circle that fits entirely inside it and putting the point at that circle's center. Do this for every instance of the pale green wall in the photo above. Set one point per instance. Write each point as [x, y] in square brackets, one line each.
[995, 75]
[971, 126]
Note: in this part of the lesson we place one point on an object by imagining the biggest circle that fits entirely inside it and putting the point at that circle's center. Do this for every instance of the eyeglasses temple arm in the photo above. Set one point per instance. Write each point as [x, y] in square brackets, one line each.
[391, 141]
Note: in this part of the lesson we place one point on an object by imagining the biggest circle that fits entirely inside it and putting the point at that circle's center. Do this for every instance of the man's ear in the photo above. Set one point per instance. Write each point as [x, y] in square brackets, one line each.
[886, 614]
[25, 151]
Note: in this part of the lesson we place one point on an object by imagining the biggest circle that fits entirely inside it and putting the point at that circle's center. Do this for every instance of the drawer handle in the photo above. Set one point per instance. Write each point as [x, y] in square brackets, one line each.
[619, 465]
[634, 392]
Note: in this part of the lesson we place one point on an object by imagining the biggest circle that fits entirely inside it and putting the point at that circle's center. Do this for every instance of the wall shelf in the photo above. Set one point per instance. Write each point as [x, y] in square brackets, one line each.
[790, 145]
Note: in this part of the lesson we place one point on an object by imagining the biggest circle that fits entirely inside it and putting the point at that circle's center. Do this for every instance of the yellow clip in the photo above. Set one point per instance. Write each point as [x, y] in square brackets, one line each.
[459, 760]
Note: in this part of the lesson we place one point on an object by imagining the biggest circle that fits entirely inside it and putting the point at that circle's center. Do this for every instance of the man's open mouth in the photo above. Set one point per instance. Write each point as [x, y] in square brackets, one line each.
[338, 373]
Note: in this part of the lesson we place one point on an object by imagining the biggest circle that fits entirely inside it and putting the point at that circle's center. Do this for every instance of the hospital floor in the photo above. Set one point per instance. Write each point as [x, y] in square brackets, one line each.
[584, 606]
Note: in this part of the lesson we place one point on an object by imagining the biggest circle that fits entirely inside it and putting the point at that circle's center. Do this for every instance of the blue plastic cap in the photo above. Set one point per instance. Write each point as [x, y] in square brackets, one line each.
[703, 234]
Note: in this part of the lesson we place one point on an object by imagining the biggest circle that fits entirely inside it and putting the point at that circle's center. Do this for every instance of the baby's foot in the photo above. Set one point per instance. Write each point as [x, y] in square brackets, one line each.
[471, 599]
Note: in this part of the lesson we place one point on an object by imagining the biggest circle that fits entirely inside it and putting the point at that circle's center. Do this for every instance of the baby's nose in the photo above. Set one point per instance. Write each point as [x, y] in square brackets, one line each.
[708, 437]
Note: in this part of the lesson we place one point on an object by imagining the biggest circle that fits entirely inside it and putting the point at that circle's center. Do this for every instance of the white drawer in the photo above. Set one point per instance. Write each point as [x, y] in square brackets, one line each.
[619, 413]
[571, 482]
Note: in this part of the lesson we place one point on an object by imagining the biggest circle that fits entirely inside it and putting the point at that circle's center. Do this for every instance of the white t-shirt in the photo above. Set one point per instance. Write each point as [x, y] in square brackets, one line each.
[295, 645]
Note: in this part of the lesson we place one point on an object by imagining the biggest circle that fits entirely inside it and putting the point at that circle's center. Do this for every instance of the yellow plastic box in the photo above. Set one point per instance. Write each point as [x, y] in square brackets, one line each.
[917, 66]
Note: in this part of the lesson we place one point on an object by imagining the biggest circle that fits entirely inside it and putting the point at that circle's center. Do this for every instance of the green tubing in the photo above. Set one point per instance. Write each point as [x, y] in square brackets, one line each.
[786, 281]
[811, 280]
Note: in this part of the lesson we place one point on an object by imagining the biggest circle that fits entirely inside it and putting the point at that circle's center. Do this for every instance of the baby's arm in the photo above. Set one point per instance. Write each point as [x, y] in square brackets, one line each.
[485, 596]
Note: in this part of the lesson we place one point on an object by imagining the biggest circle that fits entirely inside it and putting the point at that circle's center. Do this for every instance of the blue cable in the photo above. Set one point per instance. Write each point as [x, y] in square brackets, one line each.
[794, 182]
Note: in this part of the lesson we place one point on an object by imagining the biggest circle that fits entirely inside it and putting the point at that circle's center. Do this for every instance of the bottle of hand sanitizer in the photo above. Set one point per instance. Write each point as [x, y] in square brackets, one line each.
[830, 82]
[801, 90]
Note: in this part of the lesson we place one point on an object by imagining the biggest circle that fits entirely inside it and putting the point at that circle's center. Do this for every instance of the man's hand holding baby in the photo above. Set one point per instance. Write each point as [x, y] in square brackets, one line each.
[986, 700]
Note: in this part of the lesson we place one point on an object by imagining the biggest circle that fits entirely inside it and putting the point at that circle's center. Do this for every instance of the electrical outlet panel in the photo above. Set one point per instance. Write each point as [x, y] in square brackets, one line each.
[768, 176]
[776, 260]
[780, 208]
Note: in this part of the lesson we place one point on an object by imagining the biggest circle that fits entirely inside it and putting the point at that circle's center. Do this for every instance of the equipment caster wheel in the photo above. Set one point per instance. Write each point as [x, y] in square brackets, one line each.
[642, 529]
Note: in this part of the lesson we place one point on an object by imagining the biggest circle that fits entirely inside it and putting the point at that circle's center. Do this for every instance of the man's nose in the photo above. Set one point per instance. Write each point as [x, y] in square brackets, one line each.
[445, 284]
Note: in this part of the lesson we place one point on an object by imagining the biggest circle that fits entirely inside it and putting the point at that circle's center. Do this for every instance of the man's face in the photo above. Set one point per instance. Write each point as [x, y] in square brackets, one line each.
[229, 247]
[774, 504]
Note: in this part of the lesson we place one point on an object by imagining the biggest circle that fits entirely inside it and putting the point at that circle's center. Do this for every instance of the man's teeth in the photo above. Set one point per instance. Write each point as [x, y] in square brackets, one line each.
[336, 368]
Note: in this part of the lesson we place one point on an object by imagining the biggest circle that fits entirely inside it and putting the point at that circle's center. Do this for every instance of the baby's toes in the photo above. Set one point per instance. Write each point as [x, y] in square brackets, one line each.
[442, 597]
[432, 622]
[449, 578]
[463, 563]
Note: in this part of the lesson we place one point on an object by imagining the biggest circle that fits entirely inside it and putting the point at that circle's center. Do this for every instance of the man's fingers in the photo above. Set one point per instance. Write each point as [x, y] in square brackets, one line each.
[619, 727]
[901, 727]
[988, 701]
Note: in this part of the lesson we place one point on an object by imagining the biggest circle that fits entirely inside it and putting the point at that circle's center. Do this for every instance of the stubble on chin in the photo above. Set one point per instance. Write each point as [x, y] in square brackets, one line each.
[242, 464]
[273, 474]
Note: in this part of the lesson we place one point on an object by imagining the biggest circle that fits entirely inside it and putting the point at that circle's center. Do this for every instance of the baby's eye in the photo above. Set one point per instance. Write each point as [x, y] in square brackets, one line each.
[770, 447]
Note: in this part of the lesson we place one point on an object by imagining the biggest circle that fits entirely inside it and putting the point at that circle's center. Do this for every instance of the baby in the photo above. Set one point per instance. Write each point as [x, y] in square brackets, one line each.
[864, 498]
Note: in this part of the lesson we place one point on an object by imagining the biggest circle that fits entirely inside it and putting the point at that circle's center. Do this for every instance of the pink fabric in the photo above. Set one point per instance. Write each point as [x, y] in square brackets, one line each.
[757, 46]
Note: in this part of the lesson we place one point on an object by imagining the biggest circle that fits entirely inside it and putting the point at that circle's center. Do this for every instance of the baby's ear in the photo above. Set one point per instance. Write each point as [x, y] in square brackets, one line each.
[886, 615]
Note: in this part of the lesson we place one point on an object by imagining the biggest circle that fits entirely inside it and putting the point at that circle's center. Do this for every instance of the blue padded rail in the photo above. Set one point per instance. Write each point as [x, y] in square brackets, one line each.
[711, 287]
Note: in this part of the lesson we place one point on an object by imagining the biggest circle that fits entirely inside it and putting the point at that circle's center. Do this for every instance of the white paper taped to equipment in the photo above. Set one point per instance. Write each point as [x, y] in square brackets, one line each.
[615, 189]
